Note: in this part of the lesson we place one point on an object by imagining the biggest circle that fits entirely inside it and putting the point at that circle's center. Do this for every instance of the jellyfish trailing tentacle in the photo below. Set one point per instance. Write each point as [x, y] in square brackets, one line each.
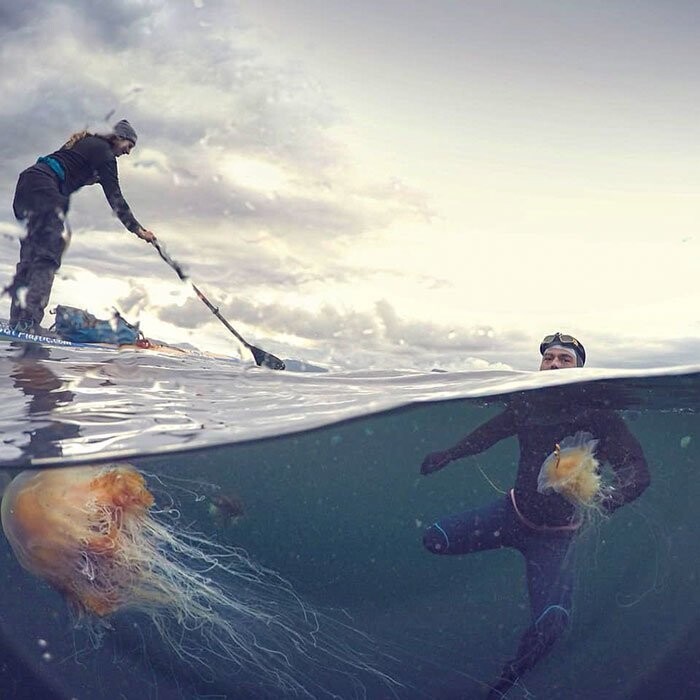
[96, 536]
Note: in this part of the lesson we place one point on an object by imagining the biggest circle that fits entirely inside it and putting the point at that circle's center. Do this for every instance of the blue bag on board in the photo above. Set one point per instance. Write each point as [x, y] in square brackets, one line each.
[82, 327]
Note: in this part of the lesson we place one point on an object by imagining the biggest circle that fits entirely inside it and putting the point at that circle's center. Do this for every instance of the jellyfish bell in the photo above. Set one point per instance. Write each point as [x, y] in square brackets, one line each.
[74, 527]
[97, 536]
[573, 471]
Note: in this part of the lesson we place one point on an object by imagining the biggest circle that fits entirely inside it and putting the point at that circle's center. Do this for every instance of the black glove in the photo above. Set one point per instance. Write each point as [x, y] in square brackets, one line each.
[609, 503]
[435, 461]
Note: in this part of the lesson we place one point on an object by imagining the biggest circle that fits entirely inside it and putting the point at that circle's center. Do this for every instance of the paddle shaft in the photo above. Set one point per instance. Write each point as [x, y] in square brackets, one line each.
[217, 313]
[261, 356]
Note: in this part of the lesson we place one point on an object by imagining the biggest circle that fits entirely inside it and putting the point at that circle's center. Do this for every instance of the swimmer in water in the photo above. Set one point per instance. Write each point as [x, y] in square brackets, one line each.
[541, 524]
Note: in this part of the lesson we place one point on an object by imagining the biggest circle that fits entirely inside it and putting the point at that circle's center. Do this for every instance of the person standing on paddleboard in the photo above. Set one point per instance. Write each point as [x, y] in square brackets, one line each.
[42, 198]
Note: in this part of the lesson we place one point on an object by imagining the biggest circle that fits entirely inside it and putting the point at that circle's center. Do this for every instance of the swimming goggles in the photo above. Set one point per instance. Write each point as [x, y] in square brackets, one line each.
[563, 339]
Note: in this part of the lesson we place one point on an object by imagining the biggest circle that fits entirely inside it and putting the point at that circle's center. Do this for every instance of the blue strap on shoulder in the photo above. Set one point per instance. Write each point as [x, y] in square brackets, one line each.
[54, 165]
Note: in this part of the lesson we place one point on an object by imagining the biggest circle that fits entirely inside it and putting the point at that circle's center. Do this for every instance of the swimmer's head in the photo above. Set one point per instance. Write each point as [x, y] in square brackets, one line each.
[560, 351]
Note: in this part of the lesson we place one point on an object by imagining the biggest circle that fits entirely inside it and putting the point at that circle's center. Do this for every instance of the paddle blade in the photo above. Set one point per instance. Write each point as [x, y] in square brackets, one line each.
[265, 359]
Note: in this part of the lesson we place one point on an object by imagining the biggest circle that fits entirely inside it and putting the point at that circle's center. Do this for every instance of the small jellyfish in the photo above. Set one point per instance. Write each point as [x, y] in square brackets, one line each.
[226, 509]
[573, 472]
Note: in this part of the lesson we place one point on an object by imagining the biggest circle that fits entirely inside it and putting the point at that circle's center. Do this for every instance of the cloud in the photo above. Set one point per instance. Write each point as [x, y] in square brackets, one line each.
[264, 188]
[378, 328]
[216, 119]
[198, 92]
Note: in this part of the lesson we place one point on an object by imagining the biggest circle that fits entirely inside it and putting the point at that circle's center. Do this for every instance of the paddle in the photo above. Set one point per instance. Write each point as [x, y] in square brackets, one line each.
[262, 358]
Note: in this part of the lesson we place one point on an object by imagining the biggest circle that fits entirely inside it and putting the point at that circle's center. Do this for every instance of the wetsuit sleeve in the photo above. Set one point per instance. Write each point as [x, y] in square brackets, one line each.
[109, 180]
[486, 435]
[621, 449]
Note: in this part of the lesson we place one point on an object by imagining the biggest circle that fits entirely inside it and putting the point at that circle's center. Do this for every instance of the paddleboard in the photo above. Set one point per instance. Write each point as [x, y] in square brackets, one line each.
[11, 335]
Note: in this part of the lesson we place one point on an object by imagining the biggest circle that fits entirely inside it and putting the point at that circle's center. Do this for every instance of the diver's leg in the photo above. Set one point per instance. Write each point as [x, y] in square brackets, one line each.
[488, 527]
[550, 575]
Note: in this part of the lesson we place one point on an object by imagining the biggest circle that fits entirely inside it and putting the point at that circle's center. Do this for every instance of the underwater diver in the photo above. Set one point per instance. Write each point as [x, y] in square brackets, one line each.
[42, 198]
[541, 525]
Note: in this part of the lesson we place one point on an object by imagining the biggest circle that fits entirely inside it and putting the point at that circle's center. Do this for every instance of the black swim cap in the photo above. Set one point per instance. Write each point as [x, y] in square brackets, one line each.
[565, 341]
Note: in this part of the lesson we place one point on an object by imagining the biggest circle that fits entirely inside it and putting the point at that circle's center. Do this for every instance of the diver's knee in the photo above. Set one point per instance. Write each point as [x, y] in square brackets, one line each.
[540, 637]
[435, 540]
[553, 621]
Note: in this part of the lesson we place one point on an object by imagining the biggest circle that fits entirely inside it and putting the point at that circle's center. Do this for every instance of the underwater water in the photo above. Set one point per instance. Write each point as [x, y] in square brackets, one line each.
[323, 469]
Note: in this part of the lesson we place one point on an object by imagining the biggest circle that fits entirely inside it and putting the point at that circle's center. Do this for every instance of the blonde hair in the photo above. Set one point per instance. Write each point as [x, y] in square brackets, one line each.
[79, 135]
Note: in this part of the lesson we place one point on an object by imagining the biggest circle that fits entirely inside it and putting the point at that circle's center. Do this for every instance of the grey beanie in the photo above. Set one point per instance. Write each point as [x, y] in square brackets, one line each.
[124, 130]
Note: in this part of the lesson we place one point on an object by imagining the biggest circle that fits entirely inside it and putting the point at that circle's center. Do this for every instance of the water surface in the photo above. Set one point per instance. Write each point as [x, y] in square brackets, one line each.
[327, 467]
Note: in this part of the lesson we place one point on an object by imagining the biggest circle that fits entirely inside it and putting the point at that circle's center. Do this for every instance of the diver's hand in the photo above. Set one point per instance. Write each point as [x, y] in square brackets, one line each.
[435, 461]
[608, 503]
[146, 235]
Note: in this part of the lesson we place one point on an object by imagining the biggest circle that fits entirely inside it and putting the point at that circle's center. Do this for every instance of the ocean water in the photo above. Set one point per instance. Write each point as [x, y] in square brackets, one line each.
[325, 469]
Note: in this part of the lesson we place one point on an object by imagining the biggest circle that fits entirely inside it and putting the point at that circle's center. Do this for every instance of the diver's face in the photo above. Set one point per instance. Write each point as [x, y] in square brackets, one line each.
[557, 358]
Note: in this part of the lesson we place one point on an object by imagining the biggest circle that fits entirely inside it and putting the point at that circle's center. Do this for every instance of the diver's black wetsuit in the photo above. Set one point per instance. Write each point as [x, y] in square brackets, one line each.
[542, 527]
[42, 197]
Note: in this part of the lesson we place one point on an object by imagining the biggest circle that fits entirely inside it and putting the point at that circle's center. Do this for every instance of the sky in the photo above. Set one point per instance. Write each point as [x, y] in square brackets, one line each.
[384, 184]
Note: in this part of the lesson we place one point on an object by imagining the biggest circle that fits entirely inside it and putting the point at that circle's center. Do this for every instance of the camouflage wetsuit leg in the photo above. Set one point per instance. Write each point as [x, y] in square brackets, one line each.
[39, 201]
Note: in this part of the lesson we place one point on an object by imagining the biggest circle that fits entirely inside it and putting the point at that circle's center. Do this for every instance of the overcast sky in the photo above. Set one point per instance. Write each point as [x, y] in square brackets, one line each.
[394, 183]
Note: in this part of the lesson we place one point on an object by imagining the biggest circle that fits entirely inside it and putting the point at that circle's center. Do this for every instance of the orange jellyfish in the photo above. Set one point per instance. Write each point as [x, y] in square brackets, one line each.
[79, 530]
[573, 471]
[96, 535]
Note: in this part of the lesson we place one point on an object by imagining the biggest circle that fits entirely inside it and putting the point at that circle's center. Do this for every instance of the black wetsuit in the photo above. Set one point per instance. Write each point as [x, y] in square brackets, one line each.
[42, 198]
[541, 526]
